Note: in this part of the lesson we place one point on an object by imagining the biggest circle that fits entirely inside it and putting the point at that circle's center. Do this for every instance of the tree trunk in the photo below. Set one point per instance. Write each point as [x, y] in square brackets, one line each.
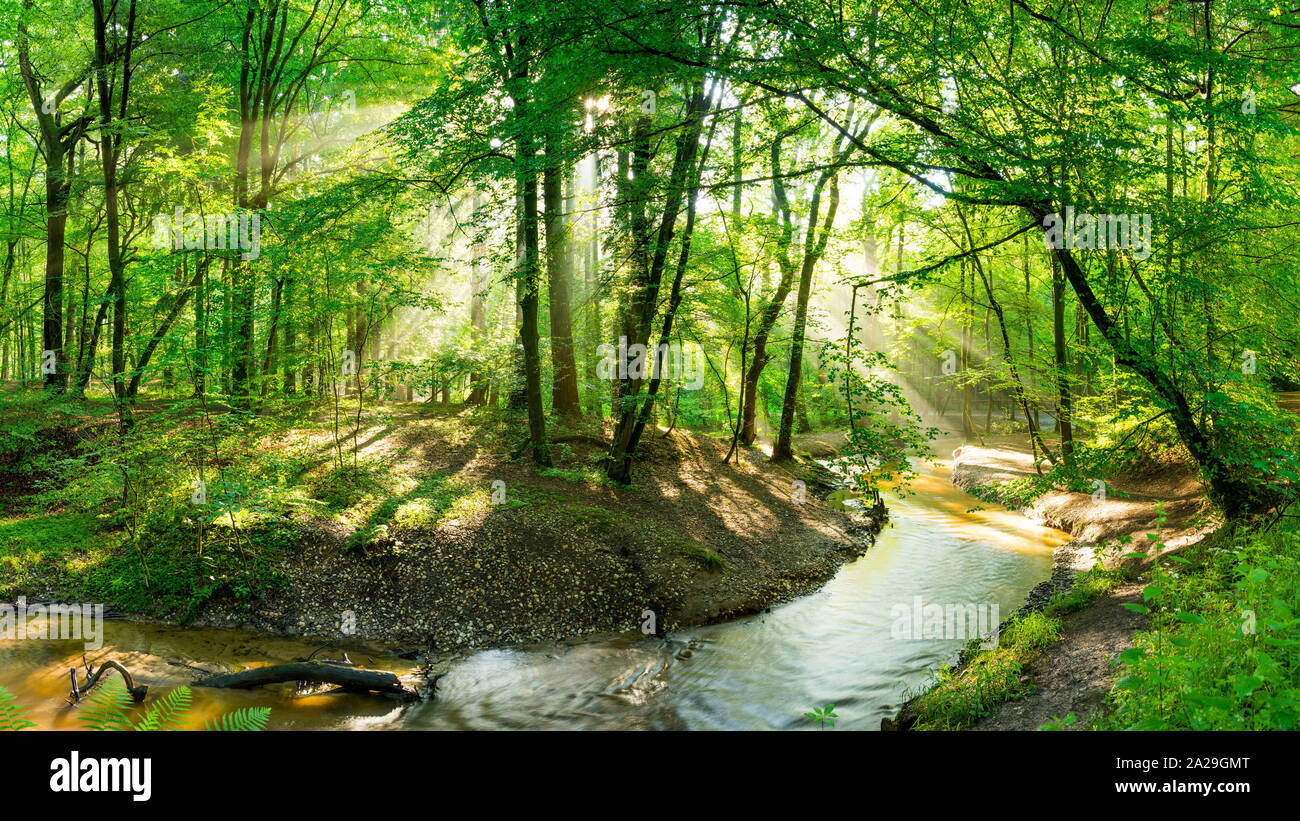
[648, 265]
[161, 334]
[564, 388]
[477, 310]
[1064, 401]
[813, 249]
[772, 310]
[526, 179]
[1236, 495]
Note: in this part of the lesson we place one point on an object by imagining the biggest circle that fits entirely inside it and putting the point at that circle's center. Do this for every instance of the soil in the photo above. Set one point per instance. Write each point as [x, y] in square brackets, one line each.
[579, 557]
[1074, 675]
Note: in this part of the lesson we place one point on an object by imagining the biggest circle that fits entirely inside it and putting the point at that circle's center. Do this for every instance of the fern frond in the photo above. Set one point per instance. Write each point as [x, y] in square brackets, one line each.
[13, 716]
[247, 719]
[107, 707]
[168, 713]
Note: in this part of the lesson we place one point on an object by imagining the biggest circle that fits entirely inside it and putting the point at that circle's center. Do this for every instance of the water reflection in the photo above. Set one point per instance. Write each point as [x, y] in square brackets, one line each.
[761, 672]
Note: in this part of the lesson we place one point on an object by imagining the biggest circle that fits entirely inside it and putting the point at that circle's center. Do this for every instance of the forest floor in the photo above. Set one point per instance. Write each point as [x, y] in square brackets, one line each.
[415, 526]
[1166, 500]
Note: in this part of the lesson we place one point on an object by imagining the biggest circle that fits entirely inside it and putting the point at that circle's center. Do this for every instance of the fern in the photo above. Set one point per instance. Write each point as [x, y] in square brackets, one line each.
[168, 713]
[12, 715]
[108, 707]
[247, 719]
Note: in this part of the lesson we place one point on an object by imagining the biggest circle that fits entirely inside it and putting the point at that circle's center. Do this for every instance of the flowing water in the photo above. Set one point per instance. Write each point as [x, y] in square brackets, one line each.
[761, 672]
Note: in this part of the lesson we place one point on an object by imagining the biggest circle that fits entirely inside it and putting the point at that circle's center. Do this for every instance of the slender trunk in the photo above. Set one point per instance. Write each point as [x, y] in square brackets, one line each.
[201, 335]
[564, 388]
[526, 178]
[269, 365]
[477, 309]
[1064, 402]
[813, 250]
[772, 311]
[161, 333]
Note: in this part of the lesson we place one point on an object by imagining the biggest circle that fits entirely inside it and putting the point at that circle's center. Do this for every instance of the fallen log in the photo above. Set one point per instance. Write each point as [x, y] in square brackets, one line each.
[351, 678]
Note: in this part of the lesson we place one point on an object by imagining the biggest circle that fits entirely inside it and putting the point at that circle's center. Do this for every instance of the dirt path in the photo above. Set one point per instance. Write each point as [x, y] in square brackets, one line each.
[1075, 675]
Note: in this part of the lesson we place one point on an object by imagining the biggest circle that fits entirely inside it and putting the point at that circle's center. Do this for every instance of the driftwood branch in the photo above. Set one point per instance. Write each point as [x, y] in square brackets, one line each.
[351, 678]
[79, 690]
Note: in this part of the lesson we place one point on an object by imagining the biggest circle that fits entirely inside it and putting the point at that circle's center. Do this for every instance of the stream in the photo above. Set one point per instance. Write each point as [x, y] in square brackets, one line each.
[764, 671]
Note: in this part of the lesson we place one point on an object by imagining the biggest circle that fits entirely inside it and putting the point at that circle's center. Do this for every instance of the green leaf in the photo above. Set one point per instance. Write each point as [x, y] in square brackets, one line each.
[169, 712]
[108, 707]
[1245, 685]
[247, 719]
[1216, 702]
[1136, 608]
[12, 715]
[1189, 618]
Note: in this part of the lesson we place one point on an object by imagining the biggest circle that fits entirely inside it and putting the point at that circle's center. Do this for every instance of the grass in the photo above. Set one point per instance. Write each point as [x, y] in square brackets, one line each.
[1087, 588]
[596, 518]
[48, 551]
[580, 475]
[706, 557]
[955, 699]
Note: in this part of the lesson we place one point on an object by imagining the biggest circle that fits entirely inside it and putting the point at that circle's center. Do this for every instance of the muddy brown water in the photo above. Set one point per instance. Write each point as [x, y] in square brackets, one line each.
[836, 646]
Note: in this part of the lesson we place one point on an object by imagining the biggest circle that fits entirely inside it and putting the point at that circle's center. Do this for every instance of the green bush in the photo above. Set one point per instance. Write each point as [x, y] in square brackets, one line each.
[1223, 651]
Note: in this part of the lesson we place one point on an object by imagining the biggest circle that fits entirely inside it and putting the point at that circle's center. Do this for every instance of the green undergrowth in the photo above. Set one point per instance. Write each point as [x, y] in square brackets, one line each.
[1223, 650]
[419, 504]
[194, 503]
[957, 697]
[706, 557]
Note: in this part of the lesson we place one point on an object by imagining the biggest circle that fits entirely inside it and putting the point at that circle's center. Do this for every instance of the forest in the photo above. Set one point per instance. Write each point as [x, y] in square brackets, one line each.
[435, 326]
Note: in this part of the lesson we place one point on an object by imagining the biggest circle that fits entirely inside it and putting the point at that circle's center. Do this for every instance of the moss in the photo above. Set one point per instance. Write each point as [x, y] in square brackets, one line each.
[703, 555]
[45, 551]
[596, 518]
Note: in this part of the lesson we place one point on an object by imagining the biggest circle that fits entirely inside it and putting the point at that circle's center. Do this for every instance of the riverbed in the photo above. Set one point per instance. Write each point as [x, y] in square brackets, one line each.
[842, 645]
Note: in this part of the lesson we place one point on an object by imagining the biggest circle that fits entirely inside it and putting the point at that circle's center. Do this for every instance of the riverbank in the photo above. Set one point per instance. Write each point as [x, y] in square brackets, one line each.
[413, 525]
[1089, 622]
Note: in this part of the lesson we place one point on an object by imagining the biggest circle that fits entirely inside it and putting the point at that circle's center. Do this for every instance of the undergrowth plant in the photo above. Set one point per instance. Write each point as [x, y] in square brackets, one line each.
[12, 714]
[1223, 651]
[111, 707]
